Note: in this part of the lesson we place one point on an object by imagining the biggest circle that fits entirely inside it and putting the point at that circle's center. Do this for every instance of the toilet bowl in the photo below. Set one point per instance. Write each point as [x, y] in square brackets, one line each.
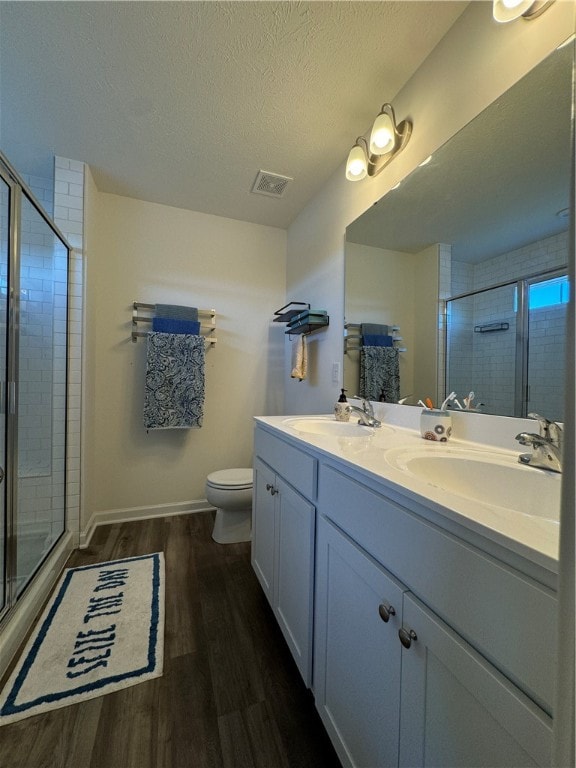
[230, 491]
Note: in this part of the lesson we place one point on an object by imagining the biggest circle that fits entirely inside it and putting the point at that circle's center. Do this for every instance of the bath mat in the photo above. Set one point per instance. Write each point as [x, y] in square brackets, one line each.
[103, 630]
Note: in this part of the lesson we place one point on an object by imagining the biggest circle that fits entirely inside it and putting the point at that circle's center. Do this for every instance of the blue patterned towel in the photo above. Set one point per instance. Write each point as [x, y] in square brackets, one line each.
[176, 312]
[169, 325]
[174, 396]
[380, 373]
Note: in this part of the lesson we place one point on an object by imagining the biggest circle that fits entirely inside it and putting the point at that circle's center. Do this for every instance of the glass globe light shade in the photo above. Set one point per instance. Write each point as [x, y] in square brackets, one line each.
[508, 10]
[356, 166]
[382, 136]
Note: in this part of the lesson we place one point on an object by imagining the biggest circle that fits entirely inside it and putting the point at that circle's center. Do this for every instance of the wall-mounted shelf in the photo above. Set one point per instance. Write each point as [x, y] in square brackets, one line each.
[144, 313]
[286, 313]
[301, 319]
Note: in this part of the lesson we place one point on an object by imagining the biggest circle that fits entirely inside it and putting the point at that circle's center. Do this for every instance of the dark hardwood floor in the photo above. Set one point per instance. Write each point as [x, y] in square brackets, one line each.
[230, 695]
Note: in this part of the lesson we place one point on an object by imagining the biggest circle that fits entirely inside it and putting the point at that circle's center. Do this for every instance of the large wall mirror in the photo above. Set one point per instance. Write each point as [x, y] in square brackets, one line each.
[464, 264]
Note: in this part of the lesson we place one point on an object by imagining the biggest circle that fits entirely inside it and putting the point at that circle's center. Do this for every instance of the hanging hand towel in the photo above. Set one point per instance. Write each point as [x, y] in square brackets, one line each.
[299, 358]
[174, 396]
[380, 373]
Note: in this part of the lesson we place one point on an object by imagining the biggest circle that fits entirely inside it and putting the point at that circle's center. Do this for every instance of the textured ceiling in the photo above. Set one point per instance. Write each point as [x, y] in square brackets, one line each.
[182, 103]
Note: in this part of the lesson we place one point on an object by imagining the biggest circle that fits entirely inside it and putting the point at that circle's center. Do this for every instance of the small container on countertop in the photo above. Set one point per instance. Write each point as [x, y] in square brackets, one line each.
[342, 410]
[435, 424]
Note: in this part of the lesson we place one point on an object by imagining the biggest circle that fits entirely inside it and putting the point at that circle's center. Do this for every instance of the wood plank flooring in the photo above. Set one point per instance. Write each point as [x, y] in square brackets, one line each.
[230, 695]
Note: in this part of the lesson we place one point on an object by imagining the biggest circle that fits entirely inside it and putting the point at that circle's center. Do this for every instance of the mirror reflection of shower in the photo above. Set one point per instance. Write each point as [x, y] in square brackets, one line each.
[507, 344]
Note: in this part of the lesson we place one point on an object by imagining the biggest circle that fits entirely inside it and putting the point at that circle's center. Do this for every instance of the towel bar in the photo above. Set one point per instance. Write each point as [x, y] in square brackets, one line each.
[353, 337]
[144, 313]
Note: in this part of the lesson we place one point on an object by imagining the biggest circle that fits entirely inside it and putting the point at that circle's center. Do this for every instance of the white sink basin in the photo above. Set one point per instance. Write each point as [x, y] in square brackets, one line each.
[317, 425]
[491, 478]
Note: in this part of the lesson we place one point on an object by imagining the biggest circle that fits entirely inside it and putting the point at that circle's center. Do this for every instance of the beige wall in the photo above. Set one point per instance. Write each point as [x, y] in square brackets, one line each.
[138, 251]
[372, 278]
[474, 64]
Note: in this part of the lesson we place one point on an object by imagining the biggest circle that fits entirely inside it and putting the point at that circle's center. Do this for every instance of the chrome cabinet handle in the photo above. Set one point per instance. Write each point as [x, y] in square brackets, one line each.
[386, 611]
[270, 487]
[406, 636]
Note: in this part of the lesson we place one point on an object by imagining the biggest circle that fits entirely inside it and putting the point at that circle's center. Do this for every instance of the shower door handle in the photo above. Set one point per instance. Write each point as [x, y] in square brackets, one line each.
[1, 474]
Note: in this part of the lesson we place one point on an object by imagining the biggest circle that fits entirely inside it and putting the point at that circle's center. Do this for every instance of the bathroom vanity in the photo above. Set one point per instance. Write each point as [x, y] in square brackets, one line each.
[423, 620]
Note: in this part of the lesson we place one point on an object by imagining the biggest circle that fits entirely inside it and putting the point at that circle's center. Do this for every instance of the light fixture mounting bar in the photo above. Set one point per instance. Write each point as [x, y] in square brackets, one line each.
[377, 163]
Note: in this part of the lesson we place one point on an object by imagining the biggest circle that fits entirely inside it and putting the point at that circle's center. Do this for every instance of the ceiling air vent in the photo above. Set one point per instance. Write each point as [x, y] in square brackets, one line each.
[271, 184]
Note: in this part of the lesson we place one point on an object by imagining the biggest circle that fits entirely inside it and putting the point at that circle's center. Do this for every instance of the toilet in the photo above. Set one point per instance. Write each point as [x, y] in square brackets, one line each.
[230, 491]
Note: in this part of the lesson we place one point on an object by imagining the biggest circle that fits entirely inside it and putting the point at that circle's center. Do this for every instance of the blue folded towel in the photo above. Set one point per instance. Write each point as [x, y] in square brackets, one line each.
[377, 340]
[169, 325]
[373, 328]
[176, 312]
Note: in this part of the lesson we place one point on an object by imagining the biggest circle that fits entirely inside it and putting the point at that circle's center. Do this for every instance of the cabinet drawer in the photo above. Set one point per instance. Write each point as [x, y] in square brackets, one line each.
[508, 617]
[296, 467]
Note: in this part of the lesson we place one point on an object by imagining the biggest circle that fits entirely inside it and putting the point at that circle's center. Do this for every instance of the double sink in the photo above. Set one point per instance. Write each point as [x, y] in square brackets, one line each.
[488, 476]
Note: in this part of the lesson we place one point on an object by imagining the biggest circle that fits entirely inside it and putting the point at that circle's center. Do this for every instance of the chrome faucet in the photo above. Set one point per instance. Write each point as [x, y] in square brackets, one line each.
[367, 418]
[546, 446]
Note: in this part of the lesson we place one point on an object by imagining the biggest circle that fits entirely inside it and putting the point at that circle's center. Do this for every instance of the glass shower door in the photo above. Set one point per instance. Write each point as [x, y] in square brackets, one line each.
[4, 251]
[42, 286]
[508, 344]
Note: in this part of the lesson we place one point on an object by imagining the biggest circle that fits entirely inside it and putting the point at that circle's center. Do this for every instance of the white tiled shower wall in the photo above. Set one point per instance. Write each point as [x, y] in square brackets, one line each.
[69, 217]
[492, 378]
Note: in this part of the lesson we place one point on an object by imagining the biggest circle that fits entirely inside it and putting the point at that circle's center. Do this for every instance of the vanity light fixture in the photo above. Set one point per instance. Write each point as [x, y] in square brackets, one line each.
[509, 10]
[368, 158]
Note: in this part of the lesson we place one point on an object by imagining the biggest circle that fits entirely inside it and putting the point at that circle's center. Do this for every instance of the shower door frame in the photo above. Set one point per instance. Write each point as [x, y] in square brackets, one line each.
[522, 285]
[9, 395]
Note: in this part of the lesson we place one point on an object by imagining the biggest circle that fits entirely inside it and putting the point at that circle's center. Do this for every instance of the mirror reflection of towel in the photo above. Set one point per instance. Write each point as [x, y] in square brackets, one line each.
[380, 373]
[299, 358]
[377, 340]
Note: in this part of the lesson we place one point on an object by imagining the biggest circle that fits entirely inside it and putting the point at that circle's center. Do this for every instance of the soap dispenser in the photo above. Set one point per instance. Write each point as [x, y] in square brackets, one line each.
[342, 410]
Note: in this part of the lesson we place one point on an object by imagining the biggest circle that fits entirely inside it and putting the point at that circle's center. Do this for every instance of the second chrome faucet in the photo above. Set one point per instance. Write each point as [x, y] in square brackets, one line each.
[546, 446]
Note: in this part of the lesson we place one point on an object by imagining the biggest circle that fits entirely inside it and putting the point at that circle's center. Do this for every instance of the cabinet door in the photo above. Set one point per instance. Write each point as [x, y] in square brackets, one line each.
[264, 527]
[356, 652]
[294, 574]
[457, 709]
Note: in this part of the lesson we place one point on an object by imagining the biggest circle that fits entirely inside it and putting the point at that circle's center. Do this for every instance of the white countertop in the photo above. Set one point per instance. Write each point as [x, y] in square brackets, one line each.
[531, 537]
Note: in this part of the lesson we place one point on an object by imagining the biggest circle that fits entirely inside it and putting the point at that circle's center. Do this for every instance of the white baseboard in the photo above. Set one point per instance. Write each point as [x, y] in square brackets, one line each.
[140, 513]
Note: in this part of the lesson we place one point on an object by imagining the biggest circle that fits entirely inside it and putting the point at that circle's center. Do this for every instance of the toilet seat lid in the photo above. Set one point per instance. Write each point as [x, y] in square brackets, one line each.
[231, 478]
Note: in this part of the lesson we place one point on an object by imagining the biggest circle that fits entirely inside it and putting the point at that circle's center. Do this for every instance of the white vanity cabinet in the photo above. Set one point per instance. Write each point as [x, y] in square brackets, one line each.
[456, 708]
[283, 528]
[463, 690]
[357, 656]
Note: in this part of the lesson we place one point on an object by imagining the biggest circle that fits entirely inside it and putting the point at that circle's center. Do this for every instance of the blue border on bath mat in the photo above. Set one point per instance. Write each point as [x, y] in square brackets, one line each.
[10, 708]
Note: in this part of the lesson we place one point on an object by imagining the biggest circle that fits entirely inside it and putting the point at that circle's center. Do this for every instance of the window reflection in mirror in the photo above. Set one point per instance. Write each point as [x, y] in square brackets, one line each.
[488, 210]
